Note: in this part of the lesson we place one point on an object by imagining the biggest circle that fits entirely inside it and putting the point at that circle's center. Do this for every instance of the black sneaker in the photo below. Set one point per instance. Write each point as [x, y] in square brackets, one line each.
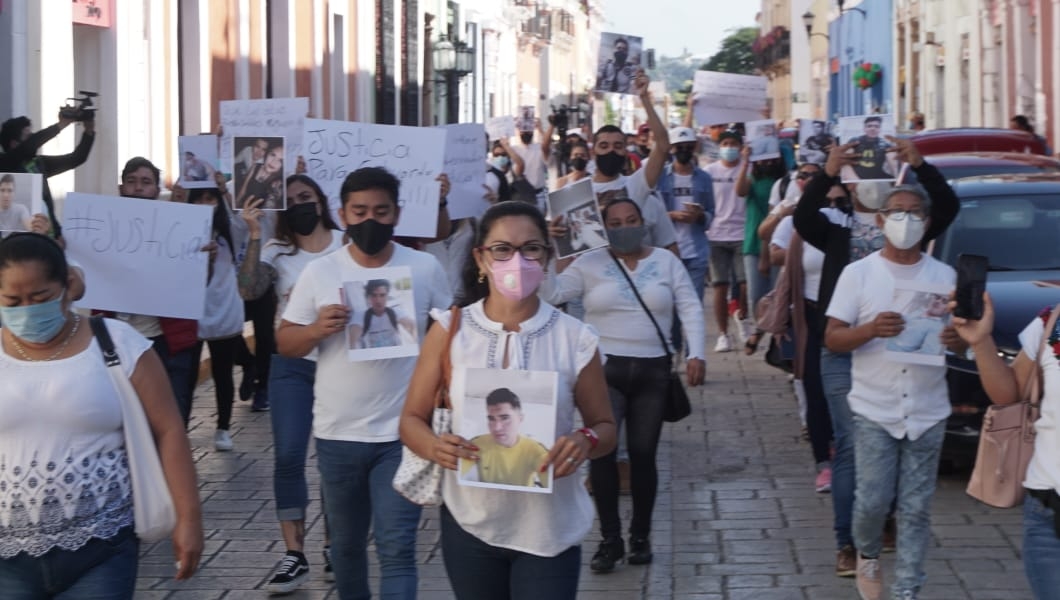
[610, 552]
[329, 573]
[246, 385]
[639, 551]
[289, 576]
[261, 401]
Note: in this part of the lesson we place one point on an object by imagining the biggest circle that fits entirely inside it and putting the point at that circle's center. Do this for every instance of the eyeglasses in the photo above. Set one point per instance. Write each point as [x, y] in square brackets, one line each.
[805, 174]
[503, 252]
[897, 214]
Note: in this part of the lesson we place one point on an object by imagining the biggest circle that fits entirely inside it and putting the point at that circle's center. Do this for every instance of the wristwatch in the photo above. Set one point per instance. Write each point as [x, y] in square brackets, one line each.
[589, 433]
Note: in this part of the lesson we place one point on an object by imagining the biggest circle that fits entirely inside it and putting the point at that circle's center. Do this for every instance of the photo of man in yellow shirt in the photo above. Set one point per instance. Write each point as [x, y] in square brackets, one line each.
[505, 456]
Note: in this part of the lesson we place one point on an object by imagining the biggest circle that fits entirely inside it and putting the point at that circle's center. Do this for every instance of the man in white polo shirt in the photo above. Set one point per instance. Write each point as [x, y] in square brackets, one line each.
[900, 408]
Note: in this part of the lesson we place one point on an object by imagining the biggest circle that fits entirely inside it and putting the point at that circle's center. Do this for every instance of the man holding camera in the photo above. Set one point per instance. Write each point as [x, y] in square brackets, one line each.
[21, 145]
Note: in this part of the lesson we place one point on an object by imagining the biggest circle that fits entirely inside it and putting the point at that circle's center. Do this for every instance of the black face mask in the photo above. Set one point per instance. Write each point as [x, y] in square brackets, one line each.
[526, 137]
[620, 58]
[610, 164]
[370, 236]
[302, 218]
[683, 156]
[579, 164]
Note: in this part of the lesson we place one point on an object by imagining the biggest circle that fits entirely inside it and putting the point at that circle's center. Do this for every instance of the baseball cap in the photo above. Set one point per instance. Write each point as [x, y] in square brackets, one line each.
[644, 128]
[729, 134]
[682, 135]
[576, 133]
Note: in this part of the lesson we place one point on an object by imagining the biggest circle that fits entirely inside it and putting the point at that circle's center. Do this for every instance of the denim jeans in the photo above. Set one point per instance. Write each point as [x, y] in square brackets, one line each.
[758, 285]
[835, 382]
[356, 479]
[883, 465]
[1041, 550]
[697, 270]
[183, 371]
[637, 388]
[291, 395]
[99, 570]
[479, 571]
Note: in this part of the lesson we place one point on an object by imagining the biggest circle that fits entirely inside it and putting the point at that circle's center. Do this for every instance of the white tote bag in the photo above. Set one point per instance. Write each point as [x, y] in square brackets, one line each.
[154, 515]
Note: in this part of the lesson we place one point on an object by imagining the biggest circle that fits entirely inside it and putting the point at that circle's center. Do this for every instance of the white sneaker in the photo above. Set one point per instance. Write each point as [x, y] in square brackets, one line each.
[737, 328]
[222, 441]
[724, 343]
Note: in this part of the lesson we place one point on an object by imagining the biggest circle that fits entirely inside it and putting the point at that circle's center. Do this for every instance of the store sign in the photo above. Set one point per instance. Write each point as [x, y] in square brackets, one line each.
[97, 13]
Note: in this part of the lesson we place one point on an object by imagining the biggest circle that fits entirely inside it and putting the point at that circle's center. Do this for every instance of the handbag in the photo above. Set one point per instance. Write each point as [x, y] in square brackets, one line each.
[154, 515]
[1006, 441]
[419, 479]
[677, 404]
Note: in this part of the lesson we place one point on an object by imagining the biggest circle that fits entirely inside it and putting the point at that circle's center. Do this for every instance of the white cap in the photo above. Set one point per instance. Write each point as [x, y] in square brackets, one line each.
[576, 133]
[681, 135]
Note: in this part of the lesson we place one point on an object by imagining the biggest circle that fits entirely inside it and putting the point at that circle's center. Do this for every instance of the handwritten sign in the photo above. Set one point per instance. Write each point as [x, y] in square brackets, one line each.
[727, 98]
[267, 117]
[501, 127]
[139, 256]
[334, 149]
[465, 149]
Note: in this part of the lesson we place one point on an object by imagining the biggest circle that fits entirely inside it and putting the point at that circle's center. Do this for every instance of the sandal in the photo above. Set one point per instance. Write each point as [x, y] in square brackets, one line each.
[751, 346]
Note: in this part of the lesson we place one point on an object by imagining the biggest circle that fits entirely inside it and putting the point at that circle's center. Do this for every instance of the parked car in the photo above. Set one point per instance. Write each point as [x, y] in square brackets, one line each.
[974, 164]
[1015, 221]
[976, 139]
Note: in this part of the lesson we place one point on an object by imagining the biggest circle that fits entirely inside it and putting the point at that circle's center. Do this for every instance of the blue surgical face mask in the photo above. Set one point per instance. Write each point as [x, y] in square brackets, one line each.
[729, 153]
[499, 162]
[35, 323]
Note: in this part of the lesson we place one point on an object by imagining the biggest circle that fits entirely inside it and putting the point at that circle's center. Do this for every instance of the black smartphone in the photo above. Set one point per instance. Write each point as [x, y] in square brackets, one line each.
[650, 55]
[971, 283]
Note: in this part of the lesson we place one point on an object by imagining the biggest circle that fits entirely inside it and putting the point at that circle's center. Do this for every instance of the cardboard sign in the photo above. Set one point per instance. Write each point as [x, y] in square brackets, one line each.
[722, 98]
[139, 256]
[268, 117]
[465, 151]
[501, 127]
[415, 155]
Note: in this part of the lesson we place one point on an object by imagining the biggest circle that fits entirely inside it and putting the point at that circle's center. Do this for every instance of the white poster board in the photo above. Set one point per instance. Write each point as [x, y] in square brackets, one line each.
[577, 204]
[722, 98]
[139, 256]
[266, 117]
[465, 164]
[876, 160]
[923, 307]
[415, 155]
[382, 320]
[762, 136]
[501, 127]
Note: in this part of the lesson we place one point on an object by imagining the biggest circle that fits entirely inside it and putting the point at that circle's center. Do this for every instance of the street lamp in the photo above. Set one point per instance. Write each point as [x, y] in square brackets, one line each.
[807, 20]
[452, 61]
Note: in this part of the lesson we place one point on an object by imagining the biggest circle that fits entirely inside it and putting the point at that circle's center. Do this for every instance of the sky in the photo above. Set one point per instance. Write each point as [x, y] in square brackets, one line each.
[670, 26]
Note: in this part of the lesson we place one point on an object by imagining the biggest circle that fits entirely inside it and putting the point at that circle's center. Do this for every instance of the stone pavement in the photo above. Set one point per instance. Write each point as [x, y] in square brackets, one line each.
[736, 519]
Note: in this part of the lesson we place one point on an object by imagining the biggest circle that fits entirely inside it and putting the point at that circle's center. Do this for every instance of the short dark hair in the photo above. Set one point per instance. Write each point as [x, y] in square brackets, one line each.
[622, 40]
[284, 233]
[474, 288]
[607, 207]
[138, 162]
[11, 131]
[374, 284]
[874, 119]
[503, 396]
[609, 129]
[26, 247]
[370, 178]
[1023, 123]
[7, 178]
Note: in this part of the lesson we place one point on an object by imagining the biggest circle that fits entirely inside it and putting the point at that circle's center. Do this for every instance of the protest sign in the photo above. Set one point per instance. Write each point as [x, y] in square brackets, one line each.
[526, 118]
[876, 160]
[815, 140]
[619, 60]
[722, 98]
[20, 199]
[198, 161]
[382, 322]
[266, 179]
[139, 256]
[501, 127]
[465, 151]
[267, 117]
[577, 204]
[762, 136]
[334, 149]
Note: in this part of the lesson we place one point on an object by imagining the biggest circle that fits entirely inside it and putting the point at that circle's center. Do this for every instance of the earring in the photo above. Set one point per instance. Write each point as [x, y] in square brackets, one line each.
[481, 277]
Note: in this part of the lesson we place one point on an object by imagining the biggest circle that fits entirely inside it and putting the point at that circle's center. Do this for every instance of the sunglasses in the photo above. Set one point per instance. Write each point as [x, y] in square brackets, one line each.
[805, 174]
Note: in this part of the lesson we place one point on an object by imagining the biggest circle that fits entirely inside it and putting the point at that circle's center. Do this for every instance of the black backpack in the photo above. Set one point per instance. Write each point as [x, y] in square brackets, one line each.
[389, 313]
[785, 181]
[504, 191]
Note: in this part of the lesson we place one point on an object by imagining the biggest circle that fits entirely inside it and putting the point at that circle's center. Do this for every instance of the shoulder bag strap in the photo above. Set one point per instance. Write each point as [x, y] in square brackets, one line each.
[632, 286]
[106, 344]
[447, 364]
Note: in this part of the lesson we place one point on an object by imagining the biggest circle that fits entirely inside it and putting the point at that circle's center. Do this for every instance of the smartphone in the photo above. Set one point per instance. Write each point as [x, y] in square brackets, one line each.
[971, 283]
[650, 55]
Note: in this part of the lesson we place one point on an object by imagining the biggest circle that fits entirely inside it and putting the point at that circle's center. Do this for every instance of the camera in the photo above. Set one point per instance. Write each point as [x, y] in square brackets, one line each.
[79, 109]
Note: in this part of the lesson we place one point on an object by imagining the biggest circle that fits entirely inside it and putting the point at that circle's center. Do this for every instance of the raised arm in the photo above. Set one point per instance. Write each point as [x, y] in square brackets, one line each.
[546, 138]
[255, 277]
[518, 164]
[657, 159]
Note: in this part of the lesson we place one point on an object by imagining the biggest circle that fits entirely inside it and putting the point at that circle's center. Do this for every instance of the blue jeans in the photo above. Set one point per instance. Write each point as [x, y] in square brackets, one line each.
[884, 464]
[291, 394]
[1041, 550]
[697, 270]
[479, 571]
[835, 381]
[99, 570]
[356, 480]
[758, 285]
[183, 371]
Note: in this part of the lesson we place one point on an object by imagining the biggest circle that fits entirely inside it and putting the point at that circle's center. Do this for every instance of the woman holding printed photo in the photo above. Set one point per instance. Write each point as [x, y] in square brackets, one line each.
[505, 543]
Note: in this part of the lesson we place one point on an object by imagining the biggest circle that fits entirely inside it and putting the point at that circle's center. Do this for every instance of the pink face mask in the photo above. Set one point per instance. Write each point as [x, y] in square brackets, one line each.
[517, 278]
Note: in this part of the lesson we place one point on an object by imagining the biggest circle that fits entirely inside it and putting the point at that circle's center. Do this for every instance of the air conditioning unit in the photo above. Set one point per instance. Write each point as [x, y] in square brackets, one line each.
[966, 54]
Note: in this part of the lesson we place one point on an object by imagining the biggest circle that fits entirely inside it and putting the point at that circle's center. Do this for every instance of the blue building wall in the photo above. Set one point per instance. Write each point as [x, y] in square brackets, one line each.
[855, 38]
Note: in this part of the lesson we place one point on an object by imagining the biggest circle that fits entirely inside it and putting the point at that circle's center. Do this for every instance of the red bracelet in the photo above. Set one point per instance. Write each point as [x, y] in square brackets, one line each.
[593, 438]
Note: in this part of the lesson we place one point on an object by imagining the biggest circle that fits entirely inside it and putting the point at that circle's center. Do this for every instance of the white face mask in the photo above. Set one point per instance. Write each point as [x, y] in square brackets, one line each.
[903, 234]
[872, 194]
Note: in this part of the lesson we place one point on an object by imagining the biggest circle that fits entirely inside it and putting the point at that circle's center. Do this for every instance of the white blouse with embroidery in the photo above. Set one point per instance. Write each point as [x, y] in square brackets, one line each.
[539, 524]
[64, 476]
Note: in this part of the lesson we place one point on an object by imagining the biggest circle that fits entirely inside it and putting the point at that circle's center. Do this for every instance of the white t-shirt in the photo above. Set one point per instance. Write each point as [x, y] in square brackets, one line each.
[61, 424]
[791, 195]
[660, 230]
[534, 168]
[613, 310]
[730, 210]
[1043, 472]
[361, 401]
[381, 331]
[812, 258]
[538, 524]
[686, 244]
[904, 399]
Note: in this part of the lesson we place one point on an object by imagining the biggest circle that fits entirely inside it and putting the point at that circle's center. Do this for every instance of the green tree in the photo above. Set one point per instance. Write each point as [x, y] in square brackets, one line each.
[735, 55]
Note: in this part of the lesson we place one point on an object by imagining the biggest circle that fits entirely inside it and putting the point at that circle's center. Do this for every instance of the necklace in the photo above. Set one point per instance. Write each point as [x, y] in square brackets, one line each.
[22, 351]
